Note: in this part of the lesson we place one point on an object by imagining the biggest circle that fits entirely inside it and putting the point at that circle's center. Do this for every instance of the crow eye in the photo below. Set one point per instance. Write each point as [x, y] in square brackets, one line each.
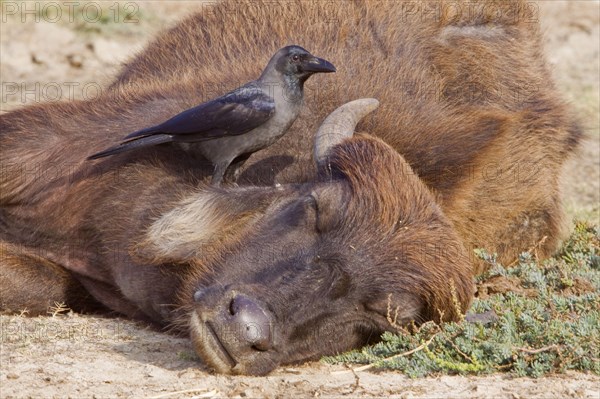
[296, 58]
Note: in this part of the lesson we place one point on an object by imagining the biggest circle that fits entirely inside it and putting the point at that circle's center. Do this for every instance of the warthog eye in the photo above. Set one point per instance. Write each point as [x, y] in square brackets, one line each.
[312, 201]
[338, 280]
[341, 284]
[301, 213]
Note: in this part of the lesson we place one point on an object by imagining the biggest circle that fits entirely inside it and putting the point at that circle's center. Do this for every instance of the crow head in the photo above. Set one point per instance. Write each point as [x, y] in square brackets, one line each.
[297, 63]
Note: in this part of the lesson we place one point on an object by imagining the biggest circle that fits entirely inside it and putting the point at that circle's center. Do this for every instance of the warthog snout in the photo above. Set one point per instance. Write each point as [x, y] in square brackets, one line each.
[234, 328]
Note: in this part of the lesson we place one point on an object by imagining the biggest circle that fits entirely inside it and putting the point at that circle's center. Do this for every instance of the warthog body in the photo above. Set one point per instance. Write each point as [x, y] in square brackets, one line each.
[298, 261]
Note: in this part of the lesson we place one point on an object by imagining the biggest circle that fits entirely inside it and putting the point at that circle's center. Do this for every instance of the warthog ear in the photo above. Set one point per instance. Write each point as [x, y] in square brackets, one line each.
[203, 222]
[331, 202]
[382, 183]
[398, 308]
[393, 210]
[383, 186]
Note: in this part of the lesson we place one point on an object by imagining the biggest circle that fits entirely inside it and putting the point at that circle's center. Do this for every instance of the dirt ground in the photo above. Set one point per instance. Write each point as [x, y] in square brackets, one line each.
[73, 55]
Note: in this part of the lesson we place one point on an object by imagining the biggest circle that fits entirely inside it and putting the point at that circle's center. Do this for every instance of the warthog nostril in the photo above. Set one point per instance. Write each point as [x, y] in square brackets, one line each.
[252, 322]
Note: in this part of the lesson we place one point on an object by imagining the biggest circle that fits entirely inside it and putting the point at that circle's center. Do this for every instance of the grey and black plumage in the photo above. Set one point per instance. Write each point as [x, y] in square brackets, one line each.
[232, 127]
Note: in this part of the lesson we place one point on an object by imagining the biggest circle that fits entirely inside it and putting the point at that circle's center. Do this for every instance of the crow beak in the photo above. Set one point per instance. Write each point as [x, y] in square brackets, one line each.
[316, 65]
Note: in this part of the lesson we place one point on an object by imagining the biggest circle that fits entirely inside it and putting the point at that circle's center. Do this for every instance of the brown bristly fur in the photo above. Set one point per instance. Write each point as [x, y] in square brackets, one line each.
[464, 152]
[474, 111]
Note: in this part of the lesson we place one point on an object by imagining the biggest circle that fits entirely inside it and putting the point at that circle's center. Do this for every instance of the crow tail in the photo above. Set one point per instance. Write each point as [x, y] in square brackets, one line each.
[132, 145]
[144, 132]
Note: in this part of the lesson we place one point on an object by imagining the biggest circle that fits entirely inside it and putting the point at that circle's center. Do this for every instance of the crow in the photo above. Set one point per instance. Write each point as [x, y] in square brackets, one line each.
[230, 128]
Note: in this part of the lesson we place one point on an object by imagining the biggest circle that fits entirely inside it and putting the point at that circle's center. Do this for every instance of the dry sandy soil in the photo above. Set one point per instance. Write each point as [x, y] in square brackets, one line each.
[76, 356]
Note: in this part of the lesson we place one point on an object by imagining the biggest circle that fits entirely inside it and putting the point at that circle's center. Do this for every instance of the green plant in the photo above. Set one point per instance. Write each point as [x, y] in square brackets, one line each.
[528, 320]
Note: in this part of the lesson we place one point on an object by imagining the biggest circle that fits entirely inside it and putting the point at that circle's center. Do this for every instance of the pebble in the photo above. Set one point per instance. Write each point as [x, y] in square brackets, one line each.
[75, 60]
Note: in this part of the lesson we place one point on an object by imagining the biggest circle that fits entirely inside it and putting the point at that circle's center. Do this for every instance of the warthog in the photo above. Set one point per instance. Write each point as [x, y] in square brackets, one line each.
[328, 237]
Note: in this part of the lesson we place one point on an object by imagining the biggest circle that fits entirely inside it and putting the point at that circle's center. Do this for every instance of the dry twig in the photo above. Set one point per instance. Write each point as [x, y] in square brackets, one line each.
[208, 394]
[371, 365]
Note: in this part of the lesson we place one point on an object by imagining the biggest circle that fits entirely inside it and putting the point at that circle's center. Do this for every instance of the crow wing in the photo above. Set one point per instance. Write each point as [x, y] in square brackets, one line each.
[234, 113]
